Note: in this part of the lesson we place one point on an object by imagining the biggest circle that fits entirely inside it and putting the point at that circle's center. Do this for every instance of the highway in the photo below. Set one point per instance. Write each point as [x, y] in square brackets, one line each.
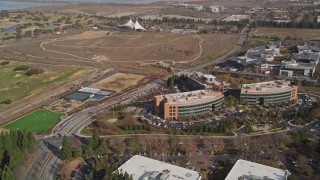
[73, 124]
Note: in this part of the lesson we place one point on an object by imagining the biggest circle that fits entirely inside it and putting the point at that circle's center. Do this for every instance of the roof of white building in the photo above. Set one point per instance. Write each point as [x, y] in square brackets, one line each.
[249, 170]
[143, 168]
[192, 96]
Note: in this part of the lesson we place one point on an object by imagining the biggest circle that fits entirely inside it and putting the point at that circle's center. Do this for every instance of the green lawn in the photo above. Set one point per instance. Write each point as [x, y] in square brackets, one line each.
[38, 121]
[15, 85]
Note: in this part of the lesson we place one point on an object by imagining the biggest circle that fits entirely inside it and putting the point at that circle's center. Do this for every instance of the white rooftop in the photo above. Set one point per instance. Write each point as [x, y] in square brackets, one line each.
[264, 84]
[143, 168]
[191, 96]
[89, 90]
[251, 170]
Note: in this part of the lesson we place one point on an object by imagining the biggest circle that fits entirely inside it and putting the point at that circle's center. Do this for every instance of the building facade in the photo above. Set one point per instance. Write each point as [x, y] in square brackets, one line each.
[187, 104]
[268, 93]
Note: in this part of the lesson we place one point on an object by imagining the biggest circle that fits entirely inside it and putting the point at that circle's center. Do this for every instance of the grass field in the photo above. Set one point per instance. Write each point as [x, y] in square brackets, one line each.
[285, 32]
[118, 81]
[39, 121]
[15, 85]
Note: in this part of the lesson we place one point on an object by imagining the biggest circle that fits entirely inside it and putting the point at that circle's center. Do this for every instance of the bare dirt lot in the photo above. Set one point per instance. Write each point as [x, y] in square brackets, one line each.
[118, 81]
[285, 32]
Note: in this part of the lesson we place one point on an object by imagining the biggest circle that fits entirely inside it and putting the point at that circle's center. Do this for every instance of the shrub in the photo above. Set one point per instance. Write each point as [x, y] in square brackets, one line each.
[21, 68]
[8, 101]
[4, 62]
[34, 71]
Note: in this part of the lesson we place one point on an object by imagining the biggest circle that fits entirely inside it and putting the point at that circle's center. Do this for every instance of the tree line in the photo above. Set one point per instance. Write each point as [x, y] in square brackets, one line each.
[12, 146]
[92, 148]
[106, 168]
[223, 127]
[302, 25]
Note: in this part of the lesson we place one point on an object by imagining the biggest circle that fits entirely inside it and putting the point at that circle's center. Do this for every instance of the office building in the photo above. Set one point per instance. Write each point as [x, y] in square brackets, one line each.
[246, 170]
[187, 104]
[267, 93]
[143, 168]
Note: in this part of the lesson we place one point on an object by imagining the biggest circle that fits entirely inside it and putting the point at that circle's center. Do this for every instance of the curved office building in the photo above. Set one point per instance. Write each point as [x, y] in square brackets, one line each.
[267, 93]
[187, 104]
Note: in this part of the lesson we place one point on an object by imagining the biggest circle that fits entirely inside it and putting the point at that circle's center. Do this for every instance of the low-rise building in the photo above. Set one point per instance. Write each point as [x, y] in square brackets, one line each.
[216, 9]
[311, 58]
[265, 68]
[265, 52]
[195, 7]
[257, 55]
[141, 168]
[187, 104]
[267, 93]
[293, 68]
[307, 54]
[242, 62]
[198, 81]
[236, 18]
[249, 170]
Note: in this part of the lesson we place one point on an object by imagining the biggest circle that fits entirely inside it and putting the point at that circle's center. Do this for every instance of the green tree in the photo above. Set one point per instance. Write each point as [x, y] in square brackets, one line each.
[95, 138]
[309, 171]
[66, 148]
[4, 13]
[101, 149]
[77, 152]
[7, 174]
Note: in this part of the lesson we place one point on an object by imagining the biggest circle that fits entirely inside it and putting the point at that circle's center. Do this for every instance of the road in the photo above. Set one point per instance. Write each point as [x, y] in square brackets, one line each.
[73, 124]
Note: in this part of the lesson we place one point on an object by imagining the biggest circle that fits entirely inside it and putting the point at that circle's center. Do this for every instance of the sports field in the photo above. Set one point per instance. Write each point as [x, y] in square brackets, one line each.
[38, 121]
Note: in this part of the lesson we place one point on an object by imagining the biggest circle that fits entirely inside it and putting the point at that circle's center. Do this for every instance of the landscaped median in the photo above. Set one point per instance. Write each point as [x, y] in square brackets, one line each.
[39, 121]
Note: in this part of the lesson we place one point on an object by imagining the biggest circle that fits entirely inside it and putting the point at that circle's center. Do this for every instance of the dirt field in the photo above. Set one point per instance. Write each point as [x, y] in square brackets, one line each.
[118, 82]
[105, 9]
[284, 32]
[121, 47]
[194, 14]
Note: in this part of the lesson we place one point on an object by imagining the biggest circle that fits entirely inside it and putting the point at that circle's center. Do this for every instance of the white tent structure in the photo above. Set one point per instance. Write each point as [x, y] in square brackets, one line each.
[129, 24]
[138, 27]
[132, 25]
